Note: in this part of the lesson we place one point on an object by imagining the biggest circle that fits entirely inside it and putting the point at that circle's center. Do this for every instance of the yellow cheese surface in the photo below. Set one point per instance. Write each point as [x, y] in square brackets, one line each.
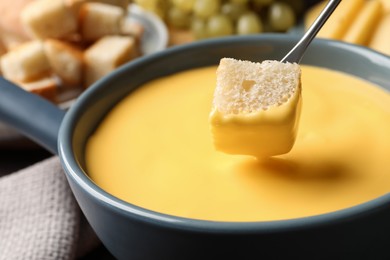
[155, 150]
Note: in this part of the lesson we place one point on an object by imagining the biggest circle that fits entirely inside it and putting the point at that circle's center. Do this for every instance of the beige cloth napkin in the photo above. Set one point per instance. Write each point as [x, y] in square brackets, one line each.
[39, 217]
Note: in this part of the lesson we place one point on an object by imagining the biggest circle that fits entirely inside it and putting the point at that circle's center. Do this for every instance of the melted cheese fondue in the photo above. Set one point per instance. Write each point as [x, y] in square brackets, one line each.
[154, 150]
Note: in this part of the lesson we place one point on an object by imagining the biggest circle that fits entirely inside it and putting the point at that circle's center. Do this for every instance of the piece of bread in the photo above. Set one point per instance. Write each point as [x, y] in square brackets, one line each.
[48, 19]
[107, 54]
[245, 87]
[98, 20]
[10, 23]
[45, 87]
[256, 107]
[133, 28]
[12, 32]
[66, 61]
[25, 63]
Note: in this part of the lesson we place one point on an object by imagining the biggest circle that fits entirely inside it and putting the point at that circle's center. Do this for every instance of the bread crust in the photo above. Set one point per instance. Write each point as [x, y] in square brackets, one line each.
[45, 87]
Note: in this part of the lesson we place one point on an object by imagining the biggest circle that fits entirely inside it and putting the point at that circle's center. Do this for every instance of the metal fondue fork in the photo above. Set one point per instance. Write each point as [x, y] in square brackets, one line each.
[296, 54]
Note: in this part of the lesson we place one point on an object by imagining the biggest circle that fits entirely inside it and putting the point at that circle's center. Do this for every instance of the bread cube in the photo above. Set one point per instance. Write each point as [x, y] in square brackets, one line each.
[66, 61]
[48, 19]
[45, 87]
[256, 107]
[26, 62]
[107, 54]
[98, 20]
[132, 28]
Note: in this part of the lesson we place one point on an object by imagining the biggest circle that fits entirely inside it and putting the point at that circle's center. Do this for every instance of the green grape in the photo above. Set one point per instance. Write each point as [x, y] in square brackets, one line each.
[206, 8]
[219, 25]
[184, 5]
[249, 23]
[281, 16]
[199, 28]
[178, 18]
[242, 2]
[233, 10]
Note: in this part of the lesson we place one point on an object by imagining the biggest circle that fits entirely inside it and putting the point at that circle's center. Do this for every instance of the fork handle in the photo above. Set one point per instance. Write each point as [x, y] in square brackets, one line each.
[296, 54]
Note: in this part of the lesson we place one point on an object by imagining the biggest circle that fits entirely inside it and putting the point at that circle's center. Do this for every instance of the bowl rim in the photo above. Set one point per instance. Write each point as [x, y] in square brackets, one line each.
[75, 172]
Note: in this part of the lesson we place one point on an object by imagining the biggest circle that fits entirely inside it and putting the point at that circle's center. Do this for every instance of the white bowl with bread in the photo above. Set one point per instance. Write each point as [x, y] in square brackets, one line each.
[57, 49]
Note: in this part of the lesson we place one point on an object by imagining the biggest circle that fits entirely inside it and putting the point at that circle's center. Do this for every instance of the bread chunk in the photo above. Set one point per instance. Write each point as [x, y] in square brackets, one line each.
[132, 28]
[48, 19]
[98, 20]
[256, 107]
[107, 54]
[45, 87]
[66, 61]
[26, 62]
[10, 23]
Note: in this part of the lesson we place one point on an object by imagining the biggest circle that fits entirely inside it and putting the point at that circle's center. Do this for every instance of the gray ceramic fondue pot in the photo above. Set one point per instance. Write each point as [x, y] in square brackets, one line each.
[132, 232]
